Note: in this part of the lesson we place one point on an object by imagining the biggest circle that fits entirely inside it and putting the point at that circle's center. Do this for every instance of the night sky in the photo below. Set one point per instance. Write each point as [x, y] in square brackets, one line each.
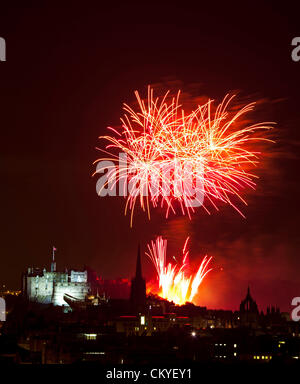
[68, 71]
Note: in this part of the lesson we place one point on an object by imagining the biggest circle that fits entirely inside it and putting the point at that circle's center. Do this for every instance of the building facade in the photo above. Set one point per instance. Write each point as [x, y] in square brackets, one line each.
[46, 287]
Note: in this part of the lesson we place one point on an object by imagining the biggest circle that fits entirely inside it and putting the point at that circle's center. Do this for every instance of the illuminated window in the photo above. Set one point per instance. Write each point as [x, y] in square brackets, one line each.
[91, 336]
[234, 354]
[94, 353]
[234, 345]
[142, 320]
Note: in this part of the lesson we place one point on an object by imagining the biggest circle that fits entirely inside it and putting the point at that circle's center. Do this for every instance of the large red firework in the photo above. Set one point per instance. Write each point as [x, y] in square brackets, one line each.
[161, 142]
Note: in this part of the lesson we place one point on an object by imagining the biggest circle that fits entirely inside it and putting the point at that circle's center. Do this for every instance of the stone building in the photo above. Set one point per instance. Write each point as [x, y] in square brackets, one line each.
[249, 314]
[46, 287]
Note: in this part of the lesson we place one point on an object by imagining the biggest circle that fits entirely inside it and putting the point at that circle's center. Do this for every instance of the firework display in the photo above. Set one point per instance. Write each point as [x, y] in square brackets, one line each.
[184, 159]
[163, 156]
[175, 281]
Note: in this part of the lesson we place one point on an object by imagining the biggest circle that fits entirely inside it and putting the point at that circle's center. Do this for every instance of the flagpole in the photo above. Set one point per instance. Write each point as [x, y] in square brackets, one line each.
[53, 264]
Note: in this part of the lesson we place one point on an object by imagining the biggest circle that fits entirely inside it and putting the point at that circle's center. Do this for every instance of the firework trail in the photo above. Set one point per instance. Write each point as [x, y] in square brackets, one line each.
[161, 142]
[175, 283]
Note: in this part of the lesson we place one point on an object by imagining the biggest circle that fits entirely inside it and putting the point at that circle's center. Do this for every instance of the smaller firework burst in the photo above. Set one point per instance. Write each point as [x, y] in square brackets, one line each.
[175, 282]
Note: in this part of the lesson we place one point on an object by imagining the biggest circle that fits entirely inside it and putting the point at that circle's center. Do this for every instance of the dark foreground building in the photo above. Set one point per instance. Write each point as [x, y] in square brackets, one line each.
[143, 329]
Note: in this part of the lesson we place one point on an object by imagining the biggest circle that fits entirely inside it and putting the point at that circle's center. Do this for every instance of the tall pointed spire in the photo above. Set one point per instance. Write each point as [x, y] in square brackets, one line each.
[138, 287]
[138, 272]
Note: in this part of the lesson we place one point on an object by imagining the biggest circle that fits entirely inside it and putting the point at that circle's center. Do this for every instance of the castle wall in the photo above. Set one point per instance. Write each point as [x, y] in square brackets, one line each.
[40, 289]
[77, 290]
[78, 277]
[50, 287]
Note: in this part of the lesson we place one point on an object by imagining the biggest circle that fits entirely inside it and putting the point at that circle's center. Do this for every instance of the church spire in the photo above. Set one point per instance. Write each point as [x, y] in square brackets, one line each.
[138, 287]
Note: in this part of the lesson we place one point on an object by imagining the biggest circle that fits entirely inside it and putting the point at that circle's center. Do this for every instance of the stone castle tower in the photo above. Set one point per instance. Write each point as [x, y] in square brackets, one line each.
[50, 287]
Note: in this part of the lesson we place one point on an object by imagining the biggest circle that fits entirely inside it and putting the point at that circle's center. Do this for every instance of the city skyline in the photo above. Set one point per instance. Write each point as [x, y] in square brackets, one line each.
[118, 291]
[60, 318]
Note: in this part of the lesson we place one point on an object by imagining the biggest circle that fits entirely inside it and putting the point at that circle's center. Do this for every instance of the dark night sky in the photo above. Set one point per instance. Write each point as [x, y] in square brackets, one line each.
[68, 71]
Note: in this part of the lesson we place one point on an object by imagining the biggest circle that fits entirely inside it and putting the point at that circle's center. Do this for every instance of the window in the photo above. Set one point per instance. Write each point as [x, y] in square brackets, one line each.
[91, 336]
